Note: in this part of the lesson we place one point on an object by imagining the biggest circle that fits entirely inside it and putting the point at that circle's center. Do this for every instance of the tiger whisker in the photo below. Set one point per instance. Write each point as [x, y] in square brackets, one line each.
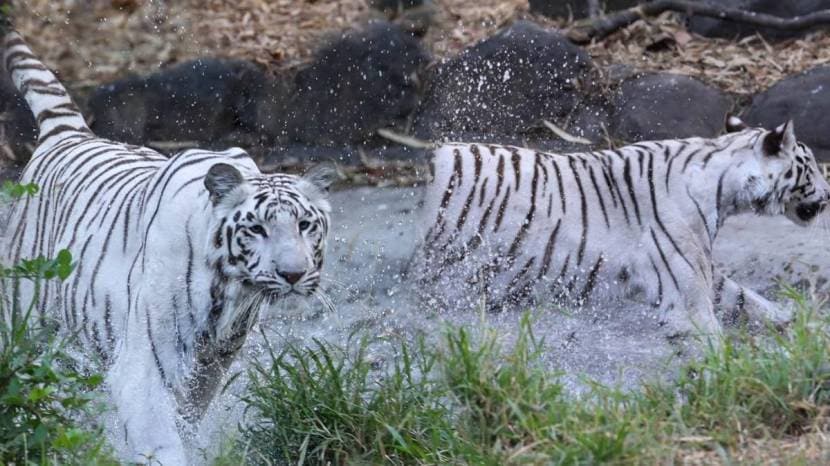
[325, 300]
[351, 291]
[334, 281]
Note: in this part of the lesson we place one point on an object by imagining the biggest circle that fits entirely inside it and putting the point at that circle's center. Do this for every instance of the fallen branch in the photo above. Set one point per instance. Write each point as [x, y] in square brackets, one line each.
[597, 28]
[172, 145]
[565, 135]
[405, 140]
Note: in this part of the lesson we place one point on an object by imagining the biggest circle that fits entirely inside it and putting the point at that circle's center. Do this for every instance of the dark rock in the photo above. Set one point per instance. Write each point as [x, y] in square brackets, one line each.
[202, 100]
[18, 129]
[413, 16]
[616, 73]
[560, 8]
[804, 98]
[712, 27]
[577, 8]
[355, 86]
[664, 106]
[348, 156]
[616, 5]
[396, 5]
[504, 85]
[10, 173]
[591, 121]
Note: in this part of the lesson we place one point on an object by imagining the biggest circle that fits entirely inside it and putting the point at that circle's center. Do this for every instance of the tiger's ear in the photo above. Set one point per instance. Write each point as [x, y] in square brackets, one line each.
[221, 181]
[734, 124]
[781, 139]
[321, 176]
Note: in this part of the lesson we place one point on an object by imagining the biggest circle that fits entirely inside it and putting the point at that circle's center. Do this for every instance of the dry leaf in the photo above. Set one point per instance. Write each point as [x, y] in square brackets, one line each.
[682, 38]
[284, 34]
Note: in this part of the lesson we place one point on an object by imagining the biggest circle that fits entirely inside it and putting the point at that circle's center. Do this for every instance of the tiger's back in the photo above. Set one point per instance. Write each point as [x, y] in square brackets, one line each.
[88, 191]
[511, 219]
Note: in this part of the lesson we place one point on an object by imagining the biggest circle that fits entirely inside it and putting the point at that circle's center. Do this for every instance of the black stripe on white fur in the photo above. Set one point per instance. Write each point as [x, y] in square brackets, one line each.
[169, 278]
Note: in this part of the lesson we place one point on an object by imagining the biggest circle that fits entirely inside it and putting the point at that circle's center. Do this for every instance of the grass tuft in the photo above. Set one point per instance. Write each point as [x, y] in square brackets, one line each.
[470, 401]
[754, 388]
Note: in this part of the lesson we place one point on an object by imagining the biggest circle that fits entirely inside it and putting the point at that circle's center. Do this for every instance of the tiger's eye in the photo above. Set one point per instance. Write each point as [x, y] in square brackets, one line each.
[257, 230]
[304, 225]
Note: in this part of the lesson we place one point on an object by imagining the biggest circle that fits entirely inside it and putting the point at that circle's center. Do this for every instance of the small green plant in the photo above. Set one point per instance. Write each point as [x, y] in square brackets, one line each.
[5, 15]
[41, 268]
[11, 189]
[41, 396]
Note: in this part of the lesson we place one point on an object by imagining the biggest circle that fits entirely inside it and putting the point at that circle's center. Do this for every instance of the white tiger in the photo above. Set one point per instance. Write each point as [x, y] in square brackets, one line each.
[175, 257]
[519, 226]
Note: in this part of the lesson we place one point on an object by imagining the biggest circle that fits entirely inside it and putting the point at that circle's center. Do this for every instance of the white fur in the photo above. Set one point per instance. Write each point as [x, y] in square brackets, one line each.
[176, 257]
[643, 259]
[142, 282]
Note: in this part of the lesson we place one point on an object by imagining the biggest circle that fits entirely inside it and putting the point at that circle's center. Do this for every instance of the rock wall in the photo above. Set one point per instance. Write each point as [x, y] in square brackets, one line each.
[499, 90]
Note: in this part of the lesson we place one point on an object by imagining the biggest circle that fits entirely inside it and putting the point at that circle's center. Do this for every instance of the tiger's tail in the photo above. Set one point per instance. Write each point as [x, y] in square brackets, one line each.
[53, 108]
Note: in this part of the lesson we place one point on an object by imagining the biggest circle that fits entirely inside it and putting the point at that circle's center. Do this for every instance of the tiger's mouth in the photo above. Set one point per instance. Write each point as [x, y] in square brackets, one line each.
[274, 292]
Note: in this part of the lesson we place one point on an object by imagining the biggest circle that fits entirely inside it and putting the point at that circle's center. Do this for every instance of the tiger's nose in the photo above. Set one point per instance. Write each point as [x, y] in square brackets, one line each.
[291, 277]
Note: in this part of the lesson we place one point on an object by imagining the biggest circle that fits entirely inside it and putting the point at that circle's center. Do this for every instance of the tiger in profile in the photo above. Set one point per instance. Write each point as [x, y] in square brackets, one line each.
[176, 257]
[513, 226]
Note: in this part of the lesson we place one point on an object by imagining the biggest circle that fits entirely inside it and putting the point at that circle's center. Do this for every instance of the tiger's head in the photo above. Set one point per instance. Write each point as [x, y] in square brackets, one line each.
[782, 175]
[271, 229]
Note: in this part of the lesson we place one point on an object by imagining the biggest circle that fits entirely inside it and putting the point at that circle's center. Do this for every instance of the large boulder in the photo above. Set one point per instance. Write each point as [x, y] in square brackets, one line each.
[18, 129]
[505, 85]
[804, 98]
[355, 86]
[712, 27]
[202, 101]
[664, 106]
[9, 173]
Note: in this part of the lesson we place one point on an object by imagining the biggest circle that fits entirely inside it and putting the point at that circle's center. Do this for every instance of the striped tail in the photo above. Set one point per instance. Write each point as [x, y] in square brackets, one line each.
[54, 110]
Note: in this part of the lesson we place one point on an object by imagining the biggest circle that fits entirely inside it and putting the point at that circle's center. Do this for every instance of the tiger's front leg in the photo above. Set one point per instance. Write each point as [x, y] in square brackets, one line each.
[690, 321]
[683, 282]
[146, 408]
[737, 305]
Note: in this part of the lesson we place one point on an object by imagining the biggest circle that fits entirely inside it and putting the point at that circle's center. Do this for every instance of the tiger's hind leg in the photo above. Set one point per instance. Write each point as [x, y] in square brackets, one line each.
[450, 279]
[738, 306]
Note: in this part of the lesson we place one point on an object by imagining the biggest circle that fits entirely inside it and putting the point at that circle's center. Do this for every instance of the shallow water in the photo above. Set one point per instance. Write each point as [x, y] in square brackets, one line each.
[374, 233]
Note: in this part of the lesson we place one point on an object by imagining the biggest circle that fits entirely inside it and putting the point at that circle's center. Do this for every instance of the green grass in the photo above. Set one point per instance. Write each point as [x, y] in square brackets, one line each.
[42, 397]
[468, 401]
